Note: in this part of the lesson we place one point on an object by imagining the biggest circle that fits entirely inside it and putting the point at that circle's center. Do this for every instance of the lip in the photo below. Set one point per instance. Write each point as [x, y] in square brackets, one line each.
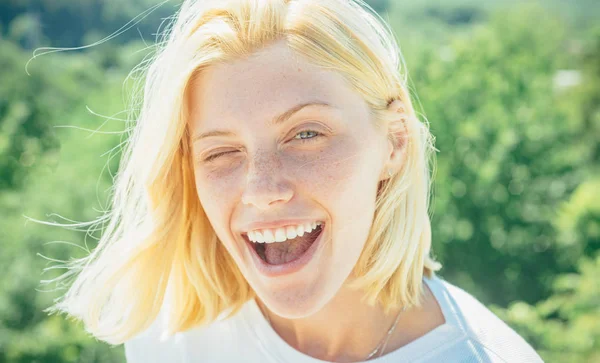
[286, 268]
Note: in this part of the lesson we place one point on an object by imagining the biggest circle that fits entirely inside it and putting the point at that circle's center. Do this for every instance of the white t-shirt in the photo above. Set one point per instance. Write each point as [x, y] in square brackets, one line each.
[471, 333]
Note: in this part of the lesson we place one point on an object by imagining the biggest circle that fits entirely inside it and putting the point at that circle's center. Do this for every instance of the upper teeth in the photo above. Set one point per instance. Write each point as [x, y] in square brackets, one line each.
[281, 234]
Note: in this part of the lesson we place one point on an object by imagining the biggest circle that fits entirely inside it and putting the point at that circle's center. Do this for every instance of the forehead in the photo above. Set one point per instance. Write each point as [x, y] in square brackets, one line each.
[265, 84]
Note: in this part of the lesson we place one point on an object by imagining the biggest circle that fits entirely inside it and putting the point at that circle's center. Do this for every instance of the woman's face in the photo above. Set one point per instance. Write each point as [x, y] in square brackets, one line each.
[262, 170]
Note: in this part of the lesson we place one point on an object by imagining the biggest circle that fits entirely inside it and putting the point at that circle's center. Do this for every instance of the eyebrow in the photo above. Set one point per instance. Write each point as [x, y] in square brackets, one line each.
[275, 121]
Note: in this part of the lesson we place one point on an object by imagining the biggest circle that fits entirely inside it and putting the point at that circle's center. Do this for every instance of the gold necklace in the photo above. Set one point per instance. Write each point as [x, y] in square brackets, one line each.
[387, 337]
[379, 346]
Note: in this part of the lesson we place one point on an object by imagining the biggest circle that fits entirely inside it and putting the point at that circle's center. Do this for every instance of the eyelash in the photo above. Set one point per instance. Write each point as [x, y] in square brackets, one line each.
[311, 139]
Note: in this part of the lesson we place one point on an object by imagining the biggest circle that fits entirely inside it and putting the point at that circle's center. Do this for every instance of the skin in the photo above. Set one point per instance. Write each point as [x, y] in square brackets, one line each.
[268, 173]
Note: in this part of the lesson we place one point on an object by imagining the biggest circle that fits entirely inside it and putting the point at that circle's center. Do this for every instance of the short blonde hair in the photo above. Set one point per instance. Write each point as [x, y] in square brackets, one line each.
[157, 235]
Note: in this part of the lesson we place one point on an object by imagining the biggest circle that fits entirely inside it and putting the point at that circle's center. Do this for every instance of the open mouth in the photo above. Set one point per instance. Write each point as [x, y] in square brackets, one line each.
[279, 253]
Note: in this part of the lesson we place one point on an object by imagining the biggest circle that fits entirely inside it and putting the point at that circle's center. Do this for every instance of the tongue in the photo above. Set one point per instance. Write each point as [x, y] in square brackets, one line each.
[283, 252]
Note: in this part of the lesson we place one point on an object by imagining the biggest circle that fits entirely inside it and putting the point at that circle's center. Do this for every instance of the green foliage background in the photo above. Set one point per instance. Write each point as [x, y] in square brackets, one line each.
[511, 90]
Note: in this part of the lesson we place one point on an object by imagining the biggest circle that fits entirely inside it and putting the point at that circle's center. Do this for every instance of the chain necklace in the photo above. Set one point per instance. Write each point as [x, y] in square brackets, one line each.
[381, 346]
[387, 337]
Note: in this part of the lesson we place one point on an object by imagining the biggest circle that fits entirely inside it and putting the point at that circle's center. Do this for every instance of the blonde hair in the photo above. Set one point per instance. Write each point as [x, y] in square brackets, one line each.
[157, 235]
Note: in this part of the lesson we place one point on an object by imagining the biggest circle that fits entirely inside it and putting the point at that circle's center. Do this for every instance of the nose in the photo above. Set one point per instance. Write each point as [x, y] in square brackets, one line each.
[265, 185]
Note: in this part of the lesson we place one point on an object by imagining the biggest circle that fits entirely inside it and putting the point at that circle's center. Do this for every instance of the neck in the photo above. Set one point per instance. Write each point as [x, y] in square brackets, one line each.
[344, 330]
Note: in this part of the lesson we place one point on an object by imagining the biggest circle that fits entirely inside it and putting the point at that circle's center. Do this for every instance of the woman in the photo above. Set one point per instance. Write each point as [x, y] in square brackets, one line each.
[272, 202]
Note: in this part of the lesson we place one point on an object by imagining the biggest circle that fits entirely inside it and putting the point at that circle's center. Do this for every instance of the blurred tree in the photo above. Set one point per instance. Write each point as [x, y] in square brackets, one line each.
[65, 22]
[379, 5]
[566, 326]
[510, 152]
[588, 95]
[456, 15]
[24, 114]
[38, 177]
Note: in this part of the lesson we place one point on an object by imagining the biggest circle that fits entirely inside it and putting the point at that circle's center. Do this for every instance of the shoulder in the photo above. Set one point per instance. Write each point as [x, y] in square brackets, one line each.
[482, 327]
[154, 345]
[151, 345]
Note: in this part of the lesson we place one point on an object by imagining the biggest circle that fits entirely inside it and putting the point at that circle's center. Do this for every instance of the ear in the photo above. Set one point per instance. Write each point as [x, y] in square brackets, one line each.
[397, 139]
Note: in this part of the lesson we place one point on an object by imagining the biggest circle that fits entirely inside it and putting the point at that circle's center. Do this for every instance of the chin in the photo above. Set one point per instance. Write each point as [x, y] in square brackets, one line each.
[295, 302]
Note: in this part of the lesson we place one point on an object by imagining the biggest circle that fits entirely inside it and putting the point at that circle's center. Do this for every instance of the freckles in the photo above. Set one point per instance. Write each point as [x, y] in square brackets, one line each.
[222, 173]
[325, 174]
[331, 172]
[214, 187]
[342, 162]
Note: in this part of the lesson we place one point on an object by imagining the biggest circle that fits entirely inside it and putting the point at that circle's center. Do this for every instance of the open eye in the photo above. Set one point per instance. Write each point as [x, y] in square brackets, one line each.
[307, 135]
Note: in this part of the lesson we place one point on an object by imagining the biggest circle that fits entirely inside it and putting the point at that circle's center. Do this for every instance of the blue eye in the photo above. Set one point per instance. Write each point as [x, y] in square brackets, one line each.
[307, 133]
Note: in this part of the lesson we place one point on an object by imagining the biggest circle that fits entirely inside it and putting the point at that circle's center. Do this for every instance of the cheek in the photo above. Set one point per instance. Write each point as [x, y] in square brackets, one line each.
[217, 197]
[217, 183]
[336, 174]
[343, 180]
